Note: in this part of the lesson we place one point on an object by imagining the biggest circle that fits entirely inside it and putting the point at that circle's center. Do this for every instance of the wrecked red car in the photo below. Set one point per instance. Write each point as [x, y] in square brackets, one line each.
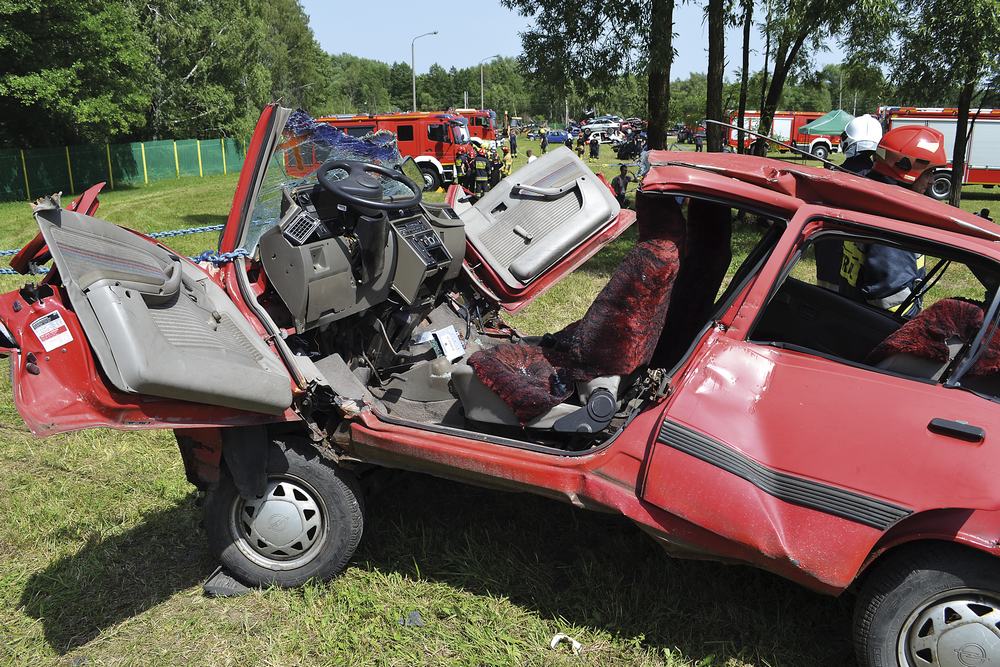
[738, 410]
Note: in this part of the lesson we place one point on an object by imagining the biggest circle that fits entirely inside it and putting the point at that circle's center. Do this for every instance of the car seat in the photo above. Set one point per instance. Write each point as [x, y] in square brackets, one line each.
[529, 385]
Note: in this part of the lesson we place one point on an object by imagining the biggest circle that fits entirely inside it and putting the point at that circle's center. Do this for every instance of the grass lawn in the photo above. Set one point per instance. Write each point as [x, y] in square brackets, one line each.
[103, 555]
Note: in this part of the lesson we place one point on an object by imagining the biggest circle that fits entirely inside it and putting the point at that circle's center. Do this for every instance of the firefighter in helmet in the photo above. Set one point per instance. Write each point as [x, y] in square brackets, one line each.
[481, 169]
[881, 275]
[507, 163]
[858, 143]
[460, 166]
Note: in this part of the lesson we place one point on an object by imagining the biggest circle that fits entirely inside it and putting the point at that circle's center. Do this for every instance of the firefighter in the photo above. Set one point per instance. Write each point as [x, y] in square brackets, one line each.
[858, 142]
[507, 164]
[460, 166]
[481, 169]
[581, 141]
[881, 275]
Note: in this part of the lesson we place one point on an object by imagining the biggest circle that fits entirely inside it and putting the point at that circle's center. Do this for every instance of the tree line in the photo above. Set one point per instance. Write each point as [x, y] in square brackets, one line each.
[79, 71]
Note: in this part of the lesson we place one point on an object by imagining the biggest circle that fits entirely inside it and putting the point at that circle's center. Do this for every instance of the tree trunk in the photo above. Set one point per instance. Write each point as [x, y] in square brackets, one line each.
[961, 142]
[661, 55]
[716, 68]
[767, 55]
[745, 80]
[782, 66]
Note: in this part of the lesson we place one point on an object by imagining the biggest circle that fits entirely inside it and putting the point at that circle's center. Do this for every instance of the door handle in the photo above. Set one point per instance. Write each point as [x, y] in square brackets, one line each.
[956, 429]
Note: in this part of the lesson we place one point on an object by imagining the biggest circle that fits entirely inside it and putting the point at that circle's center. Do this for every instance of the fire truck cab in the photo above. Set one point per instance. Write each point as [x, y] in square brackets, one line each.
[482, 124]
[982, 153]
[786, 127]
[433, 140]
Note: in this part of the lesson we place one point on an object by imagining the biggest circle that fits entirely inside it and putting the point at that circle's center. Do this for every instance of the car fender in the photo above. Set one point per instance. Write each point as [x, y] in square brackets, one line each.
[975, 528]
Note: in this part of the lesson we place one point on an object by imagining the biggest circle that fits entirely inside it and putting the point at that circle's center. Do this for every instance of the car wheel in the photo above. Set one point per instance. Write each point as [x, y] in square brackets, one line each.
[940, 188]
[306, 525]
[431, 179]
[821, 151]
[938, 606]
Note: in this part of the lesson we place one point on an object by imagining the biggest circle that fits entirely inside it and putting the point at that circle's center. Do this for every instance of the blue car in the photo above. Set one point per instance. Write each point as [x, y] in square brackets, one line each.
[557, 136]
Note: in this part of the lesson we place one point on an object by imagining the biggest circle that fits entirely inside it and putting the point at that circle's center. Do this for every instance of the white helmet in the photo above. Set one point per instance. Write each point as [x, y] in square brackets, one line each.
[861, 134]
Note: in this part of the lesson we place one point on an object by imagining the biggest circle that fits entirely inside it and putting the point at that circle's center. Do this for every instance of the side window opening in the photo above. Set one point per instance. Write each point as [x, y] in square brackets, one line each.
[724, 248]
[437, 132]
[404, 133]
[360, 130]
[888, 304]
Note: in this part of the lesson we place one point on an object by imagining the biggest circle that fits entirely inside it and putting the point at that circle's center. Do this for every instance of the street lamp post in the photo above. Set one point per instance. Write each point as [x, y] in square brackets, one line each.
[482, 89]
[413, 64]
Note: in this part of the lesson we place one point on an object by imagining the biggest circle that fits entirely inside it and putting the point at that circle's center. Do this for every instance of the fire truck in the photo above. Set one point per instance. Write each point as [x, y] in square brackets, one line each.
[786, 127]
[982, 154]
[431, 139]
[482, 123]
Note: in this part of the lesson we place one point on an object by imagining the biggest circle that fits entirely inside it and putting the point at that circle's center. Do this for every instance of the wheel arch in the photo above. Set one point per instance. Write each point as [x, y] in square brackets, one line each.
[422, 160]
[821, 140]
[976, 530]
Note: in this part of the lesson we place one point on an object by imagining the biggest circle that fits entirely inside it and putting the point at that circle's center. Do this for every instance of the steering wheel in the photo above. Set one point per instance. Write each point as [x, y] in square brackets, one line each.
[362, 189]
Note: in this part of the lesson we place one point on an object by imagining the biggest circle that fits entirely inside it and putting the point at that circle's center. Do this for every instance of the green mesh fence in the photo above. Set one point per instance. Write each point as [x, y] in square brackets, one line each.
[33, 172]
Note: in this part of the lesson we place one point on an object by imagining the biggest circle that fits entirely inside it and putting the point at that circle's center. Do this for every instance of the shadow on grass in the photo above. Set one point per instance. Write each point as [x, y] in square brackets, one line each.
[110, 580]
[204, 219]
[599, 571]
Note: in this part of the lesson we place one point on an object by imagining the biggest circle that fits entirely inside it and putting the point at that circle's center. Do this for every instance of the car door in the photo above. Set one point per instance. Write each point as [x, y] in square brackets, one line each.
[804, 459]
[134, 336]
[537, 225]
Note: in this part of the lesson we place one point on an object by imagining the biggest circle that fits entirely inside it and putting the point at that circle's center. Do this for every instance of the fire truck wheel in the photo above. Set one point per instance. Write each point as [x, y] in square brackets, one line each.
[306, 525]
[940, 188]
[929, 604]
[431, 179]
[821, 151]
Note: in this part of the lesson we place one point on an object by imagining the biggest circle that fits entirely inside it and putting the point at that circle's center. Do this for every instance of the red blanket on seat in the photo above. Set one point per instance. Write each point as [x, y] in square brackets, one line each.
[926, 335]
[616, 336]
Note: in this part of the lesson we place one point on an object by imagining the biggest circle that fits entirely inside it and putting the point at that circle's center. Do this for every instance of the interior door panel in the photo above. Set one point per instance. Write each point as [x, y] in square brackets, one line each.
[158, 325]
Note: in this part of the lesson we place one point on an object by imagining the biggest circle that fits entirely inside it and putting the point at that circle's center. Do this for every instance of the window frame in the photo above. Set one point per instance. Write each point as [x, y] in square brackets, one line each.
[847, 230]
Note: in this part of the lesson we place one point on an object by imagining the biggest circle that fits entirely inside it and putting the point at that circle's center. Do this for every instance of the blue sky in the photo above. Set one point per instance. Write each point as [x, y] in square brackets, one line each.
[491, 29]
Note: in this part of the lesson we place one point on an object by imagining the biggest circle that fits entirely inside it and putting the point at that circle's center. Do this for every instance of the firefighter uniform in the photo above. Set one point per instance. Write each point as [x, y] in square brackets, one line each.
[459, 167]
[507, 165]
[481, 169]
[881, 275]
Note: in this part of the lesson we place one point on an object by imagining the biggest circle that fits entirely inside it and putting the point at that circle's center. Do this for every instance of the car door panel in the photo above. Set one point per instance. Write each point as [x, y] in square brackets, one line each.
[157, 324]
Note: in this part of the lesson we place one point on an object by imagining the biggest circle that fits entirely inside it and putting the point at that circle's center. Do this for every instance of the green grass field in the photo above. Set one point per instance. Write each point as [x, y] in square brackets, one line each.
[103, 555]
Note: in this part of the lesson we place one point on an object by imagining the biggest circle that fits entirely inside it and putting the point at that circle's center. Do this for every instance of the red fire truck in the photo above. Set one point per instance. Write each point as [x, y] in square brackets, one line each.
[786, 127]
[982, 154]
[482, 123]
[431, 139]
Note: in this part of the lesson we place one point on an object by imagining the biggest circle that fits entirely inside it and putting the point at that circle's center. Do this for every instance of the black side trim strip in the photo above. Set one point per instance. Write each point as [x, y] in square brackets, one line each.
[807, 493]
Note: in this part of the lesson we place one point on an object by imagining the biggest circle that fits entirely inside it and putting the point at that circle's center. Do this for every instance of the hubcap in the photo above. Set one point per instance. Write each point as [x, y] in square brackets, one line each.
[284, 528]
[941, 187]
[960, 630]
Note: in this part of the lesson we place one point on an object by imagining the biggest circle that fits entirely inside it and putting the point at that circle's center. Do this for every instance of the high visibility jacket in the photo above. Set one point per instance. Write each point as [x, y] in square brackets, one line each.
[482, 168]
[506, 166]
[459, 166]
[881, 275]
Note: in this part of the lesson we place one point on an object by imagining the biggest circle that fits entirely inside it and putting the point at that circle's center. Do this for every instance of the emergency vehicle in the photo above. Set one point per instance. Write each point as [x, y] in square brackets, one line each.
[787, 128]
[482, 123]
[431, 139]
[982, 154]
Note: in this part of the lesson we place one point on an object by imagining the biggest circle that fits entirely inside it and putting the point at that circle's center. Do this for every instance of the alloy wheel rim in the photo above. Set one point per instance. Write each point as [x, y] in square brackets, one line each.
[957, 629]
[282, 529]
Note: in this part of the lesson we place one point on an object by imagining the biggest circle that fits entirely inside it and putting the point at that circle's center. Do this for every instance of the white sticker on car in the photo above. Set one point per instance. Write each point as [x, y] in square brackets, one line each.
[52, 331]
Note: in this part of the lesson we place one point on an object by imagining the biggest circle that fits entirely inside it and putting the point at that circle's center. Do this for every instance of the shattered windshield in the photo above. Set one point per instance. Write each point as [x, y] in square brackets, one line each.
[304, 146]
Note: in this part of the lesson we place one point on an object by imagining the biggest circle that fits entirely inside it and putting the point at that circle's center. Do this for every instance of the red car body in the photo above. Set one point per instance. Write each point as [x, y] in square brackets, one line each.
[796, 464]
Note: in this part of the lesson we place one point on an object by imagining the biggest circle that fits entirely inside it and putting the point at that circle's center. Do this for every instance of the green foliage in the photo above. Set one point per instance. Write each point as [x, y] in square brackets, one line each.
[73, 70]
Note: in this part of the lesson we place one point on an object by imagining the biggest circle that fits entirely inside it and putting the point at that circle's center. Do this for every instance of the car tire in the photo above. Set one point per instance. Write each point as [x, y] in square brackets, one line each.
[821, 151]
[940, 187]
[432, 181]
[314, 521]
[933, 604]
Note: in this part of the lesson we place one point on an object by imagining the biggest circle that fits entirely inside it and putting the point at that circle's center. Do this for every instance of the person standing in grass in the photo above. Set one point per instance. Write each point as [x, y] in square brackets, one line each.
[620, 185]
[512, 137]
[545, 143]
[595, 148]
